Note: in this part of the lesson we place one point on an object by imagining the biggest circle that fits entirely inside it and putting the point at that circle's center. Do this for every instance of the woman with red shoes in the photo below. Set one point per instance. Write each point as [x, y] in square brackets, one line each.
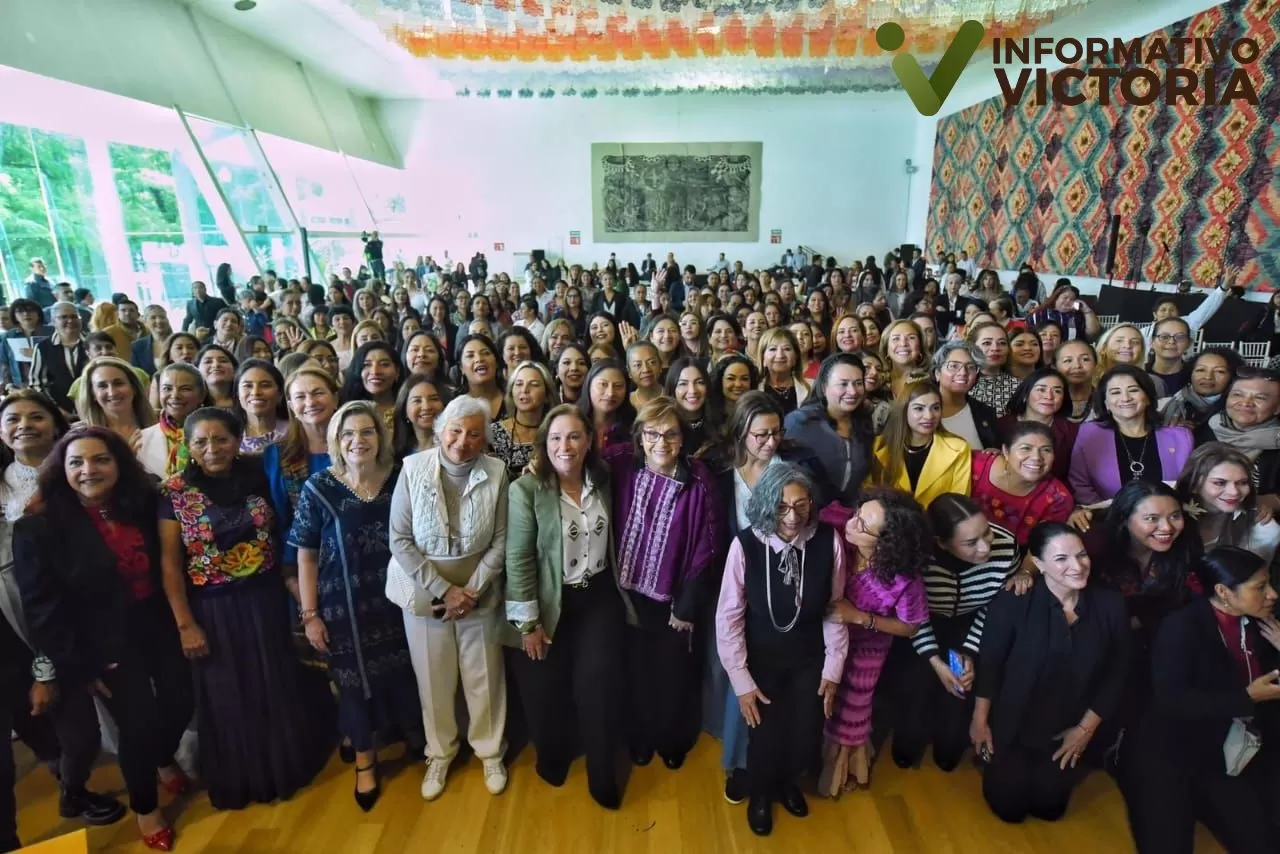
[87, 562]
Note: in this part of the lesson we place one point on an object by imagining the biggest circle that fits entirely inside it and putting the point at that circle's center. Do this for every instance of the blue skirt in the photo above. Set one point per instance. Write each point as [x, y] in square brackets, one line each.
[721, 716]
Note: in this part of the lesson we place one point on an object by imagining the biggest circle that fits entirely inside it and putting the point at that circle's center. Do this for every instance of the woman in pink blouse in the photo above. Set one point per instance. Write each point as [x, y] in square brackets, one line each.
[783, 654]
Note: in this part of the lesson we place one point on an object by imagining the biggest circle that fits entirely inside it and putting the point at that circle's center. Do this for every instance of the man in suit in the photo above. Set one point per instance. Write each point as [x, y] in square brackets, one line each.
[37, 287]
[648, 266]
[58, 360]
[917, 268]
[615, 303]
[202, 309]
[679, 288]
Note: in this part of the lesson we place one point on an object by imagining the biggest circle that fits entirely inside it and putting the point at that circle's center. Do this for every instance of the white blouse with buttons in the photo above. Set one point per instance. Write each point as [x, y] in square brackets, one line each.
[584, 535]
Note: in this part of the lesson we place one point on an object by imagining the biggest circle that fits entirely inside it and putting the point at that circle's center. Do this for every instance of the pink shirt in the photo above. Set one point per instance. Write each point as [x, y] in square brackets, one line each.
[731, 615]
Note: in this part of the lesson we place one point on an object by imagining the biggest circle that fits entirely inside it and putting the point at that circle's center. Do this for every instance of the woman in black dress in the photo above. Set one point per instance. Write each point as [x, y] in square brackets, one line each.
[259, 739]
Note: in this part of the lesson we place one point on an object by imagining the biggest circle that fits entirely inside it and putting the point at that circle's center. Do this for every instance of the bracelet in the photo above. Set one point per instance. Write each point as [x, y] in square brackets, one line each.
[871, 623]
[309, 612]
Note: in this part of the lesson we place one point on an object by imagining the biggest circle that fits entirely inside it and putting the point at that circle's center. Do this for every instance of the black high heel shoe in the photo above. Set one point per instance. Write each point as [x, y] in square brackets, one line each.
[366, 800]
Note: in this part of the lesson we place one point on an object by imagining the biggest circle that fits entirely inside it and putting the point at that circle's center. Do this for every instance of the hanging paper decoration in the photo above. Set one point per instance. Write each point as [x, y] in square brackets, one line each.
[671, 46]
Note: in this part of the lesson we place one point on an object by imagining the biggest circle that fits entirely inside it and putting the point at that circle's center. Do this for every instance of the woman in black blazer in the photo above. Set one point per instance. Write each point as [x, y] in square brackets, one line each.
[1053, 664]
[87, 563]
[1216, 660]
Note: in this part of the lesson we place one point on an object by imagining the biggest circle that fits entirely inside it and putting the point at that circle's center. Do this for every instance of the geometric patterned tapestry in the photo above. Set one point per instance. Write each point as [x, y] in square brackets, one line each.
[1196, 187]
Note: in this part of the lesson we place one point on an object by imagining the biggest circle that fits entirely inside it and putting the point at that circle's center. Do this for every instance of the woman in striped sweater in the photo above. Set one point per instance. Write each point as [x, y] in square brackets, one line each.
[973, 562]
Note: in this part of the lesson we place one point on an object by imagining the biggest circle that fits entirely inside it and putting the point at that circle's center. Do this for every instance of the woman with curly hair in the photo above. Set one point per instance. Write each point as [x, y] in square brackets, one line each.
[884, 598]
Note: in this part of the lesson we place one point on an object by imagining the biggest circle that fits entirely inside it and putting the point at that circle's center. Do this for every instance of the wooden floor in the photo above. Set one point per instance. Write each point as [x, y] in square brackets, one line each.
[663, 812]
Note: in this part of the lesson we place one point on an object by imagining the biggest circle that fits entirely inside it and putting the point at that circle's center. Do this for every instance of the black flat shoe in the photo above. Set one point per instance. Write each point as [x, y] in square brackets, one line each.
[366, 800]
[641, 755]
[90, 807]
[346, 753]
[793, 801]
[735, 786]
[760, 816]
[673, 760]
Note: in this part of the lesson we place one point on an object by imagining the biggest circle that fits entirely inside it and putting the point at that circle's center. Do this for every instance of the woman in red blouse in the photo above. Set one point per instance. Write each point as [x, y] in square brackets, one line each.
[1016, 487]
[87, 561]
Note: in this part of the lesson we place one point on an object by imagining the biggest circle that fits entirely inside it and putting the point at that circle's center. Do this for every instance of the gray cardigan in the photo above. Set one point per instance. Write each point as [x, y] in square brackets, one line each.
[809, 428]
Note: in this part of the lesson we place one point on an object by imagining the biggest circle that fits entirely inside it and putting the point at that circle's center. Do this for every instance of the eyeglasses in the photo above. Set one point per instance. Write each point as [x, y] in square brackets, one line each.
[860, 526]
[800, 508]
[1170, 338]
[959, 367]
[653, 437]
[765, 435]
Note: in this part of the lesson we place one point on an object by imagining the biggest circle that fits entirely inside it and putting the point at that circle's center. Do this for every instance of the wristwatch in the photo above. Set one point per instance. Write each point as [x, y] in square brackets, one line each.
[42, 669]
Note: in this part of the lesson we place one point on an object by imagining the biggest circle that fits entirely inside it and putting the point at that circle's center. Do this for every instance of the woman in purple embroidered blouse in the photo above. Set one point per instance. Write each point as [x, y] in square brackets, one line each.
[884, 598]
[665, 527]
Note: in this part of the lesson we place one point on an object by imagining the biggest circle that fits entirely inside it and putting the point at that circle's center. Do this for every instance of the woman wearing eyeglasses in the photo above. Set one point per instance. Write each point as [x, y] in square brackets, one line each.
[666, 526]
[956, 366]
[1169, 343]
[783, 650]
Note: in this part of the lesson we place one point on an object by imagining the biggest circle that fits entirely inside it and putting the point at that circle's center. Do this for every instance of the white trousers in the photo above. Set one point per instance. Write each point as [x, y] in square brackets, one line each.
[444, 651]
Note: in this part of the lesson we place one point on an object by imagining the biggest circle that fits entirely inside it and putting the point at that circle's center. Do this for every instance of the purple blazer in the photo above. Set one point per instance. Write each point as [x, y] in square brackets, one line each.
[1095, 471]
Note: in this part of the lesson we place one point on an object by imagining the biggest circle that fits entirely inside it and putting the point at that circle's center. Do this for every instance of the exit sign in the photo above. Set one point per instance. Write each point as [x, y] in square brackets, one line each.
[497, 247]
[775, 236]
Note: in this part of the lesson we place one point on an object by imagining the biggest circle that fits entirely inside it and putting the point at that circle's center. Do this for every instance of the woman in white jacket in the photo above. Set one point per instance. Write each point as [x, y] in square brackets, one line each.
[448, 541]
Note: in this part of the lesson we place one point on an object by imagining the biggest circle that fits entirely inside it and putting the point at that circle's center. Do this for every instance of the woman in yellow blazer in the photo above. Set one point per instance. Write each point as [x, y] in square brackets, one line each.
[915, 453]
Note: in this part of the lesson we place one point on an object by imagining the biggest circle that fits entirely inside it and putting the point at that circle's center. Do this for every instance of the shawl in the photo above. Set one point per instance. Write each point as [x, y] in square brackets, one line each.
[1187, 405]
[175, 443]
[1251, 442]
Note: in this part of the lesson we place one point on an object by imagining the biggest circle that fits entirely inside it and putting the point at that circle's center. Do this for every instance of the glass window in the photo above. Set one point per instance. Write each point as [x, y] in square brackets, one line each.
[389, 195]
[239, 168]
[318, 184]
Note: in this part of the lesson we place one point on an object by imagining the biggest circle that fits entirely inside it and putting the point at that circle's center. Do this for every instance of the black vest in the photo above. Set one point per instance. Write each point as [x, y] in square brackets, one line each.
[765, 644]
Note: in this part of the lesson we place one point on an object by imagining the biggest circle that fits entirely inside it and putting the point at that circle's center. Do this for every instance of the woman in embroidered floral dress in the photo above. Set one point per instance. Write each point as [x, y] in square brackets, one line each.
[341, 530]
[259, 740]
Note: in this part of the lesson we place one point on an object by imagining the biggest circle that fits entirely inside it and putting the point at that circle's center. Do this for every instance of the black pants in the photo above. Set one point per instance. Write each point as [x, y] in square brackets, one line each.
[661, 678]
[781, 748]
[583, 665]
[1021, 782]
[8, 804]
[1166, 798]
[151, 700]
[929, 715]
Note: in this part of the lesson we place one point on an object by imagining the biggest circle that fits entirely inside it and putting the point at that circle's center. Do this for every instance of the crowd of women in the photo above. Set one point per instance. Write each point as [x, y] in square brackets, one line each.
[616, 512]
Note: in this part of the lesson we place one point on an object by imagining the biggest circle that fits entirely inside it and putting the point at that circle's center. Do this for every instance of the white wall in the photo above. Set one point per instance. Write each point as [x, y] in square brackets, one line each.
[519, 172]
[161, 52]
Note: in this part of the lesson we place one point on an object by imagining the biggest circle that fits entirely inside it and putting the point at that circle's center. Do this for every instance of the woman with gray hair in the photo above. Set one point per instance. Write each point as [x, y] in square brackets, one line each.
[956, 367]
[783, 654]
[448, 540]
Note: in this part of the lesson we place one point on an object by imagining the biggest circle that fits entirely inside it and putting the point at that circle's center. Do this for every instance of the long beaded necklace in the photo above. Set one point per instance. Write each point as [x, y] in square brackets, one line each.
[790, 575]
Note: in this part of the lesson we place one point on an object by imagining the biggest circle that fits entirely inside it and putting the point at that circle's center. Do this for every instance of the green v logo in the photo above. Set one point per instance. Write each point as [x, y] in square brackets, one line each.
[928, 93]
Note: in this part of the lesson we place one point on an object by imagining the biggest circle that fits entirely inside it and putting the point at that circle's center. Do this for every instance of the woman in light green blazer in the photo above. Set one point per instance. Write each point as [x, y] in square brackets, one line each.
[563, 597]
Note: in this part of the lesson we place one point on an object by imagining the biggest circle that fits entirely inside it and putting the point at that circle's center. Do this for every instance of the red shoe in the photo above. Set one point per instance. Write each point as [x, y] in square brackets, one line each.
[180, 784]
[161, 840]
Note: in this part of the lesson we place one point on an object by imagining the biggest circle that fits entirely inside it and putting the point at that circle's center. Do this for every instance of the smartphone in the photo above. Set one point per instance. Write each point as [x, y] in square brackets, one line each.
[956, 663]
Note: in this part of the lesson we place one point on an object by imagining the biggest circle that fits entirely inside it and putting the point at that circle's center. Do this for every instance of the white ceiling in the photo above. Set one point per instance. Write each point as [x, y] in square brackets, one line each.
[328, 36]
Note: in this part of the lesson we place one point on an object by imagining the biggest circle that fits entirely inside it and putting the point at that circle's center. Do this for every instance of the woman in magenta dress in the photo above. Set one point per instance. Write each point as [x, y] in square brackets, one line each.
[884, 598]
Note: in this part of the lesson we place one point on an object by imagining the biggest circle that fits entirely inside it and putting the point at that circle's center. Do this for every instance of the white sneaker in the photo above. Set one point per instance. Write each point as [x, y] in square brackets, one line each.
[495, 776]
[433, 782]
